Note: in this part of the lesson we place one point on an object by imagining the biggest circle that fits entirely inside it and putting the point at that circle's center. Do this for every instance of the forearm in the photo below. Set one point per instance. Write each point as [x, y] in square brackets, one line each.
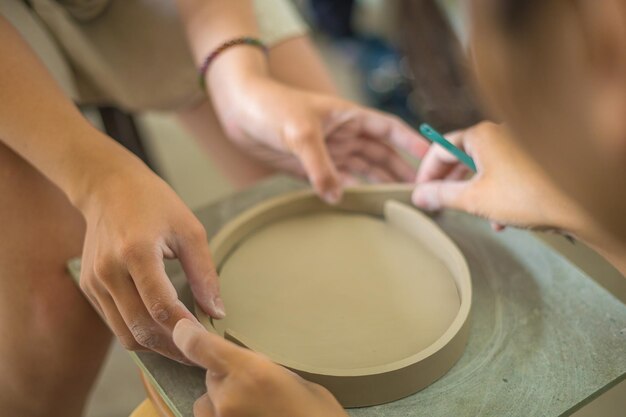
[607, 244]
[211, 23]
[43, 126]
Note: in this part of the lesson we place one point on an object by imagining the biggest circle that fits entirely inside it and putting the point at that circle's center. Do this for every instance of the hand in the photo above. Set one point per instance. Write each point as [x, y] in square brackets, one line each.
[241, 383]
[327, 139]
[509, 188]
[135, 221]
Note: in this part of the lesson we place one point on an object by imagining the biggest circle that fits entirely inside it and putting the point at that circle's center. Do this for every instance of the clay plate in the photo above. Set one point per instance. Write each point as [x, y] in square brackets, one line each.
[368, 298]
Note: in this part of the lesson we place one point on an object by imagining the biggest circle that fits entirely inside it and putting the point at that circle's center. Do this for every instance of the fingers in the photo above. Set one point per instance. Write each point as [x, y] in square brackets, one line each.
[348, 179]
[117, 324]
[206, 349]
[195, 257]
[360, 166]
[157, 293]
[308, 144]
[437, 195]
[137, 298]
[370, 158]
[459, 172]
[128, 313]
[386, 158]
[438, 162]
[146, 332]
[203, 407]
[390, 128]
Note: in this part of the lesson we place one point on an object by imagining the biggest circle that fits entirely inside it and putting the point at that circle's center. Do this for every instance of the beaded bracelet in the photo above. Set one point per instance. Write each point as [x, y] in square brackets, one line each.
[245, 40]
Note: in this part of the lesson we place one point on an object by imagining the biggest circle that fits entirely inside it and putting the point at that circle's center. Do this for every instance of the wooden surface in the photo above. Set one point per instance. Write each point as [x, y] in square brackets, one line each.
[145, 409]
[544, 338]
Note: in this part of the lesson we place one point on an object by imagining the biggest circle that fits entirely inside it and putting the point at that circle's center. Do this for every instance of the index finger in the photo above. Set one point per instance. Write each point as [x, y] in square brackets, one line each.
[204, 348]
[439, 162]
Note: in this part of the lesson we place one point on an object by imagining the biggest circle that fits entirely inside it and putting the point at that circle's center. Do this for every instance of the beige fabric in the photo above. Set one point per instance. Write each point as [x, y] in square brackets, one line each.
[134, 54]
[84, 9]
[34, 33]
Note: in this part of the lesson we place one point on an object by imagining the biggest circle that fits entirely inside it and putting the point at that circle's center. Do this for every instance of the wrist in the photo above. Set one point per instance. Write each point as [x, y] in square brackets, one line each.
[94, 171]
[233, 70]
[235, 94]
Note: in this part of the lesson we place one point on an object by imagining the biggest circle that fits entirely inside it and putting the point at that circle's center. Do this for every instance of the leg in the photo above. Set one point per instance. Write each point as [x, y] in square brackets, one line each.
[53, 342]
[294, 62]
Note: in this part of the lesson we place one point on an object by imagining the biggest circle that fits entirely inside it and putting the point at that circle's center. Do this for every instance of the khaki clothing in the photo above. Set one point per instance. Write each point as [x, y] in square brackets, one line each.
[134, 53]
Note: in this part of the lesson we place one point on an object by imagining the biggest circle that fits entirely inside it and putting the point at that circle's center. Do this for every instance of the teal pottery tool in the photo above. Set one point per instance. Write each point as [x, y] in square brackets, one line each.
[431, 134]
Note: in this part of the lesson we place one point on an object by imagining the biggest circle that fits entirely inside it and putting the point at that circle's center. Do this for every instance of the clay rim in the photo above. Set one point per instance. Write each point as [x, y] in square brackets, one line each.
[462, 279]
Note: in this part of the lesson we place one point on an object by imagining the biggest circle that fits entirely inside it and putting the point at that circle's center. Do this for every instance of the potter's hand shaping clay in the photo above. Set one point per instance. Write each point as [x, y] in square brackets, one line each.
[242, 383]
[517, 192]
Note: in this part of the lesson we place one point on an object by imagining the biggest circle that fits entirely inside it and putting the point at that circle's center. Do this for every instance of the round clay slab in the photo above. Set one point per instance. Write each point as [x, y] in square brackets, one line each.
[336, 290]
[369, 298]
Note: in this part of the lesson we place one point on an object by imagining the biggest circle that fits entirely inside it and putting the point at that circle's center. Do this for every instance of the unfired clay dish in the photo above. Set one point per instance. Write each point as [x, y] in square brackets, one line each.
[369, 298]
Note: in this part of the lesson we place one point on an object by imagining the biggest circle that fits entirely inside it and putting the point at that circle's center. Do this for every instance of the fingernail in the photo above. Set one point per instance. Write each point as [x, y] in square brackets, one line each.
[218, 308]
[332, 197]
[190, 324]
[196, 322]
[183, 323]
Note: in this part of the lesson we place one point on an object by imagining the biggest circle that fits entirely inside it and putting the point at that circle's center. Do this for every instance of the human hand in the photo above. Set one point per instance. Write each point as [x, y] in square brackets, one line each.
[327, 139]
[134, 222]
[508, 189]
[241, 383]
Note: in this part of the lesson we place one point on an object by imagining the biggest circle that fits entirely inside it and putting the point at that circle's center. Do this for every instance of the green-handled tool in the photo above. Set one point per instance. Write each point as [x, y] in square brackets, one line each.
[431, 134]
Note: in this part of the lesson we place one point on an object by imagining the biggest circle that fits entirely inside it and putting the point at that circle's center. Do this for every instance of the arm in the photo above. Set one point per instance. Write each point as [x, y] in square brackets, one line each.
[40, 124]
[134, 220]
[323, 137]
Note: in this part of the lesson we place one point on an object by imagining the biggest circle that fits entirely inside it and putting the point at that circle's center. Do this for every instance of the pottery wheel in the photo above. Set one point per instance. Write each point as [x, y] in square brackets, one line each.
[336, 290]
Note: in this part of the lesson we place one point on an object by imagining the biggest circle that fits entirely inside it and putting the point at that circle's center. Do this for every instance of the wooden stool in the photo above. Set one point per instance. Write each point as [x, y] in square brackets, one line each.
[145, 409]
[153, 406]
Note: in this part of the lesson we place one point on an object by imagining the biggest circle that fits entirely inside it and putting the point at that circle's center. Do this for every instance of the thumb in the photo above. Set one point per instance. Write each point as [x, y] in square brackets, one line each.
[437, 195]
[195, 258]
[309, 146]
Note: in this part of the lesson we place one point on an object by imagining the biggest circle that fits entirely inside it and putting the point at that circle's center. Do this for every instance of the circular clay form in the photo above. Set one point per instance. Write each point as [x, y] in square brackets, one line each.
[368, 298]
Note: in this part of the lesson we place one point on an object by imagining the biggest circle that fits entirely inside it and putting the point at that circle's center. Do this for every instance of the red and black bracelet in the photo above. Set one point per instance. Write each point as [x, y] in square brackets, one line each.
[245, 40]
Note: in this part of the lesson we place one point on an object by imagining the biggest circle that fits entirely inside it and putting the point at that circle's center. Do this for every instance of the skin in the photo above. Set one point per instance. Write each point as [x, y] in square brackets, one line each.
[326, 139]
[40, 328]
[101, 200]
[566, 129]
[234, 372]
[372, 160]
[558, 163]
[71, 188]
